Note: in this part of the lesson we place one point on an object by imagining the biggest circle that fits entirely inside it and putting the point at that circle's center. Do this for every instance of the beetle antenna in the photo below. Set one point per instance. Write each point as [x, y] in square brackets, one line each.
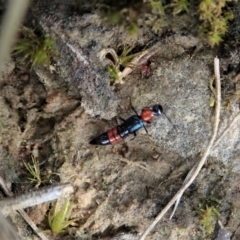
[168, 118]
[132, 106]
[146, 130]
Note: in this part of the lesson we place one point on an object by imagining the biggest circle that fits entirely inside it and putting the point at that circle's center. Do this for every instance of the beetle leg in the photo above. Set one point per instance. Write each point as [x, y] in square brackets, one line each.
[120, 118]
[134, 135]
[146, 130]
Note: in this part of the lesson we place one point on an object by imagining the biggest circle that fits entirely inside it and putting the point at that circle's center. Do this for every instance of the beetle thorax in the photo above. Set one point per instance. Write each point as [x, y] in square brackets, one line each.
[147, 115]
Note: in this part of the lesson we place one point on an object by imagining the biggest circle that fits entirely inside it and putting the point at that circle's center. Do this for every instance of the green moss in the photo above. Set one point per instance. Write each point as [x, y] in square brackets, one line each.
[214, 17]
[208, 218]
[34, 50]
[158, 17]
[180, 6]
[208, 214]
[158, 7]
[113, 73]
[105, 185]
[122, 13]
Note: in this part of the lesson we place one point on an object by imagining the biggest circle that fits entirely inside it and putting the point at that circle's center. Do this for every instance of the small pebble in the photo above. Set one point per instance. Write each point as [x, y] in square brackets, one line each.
[155, 155]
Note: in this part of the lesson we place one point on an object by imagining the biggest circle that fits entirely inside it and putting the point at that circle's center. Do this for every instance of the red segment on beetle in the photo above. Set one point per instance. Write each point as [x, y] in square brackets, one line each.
[147, 115]
[113, 136]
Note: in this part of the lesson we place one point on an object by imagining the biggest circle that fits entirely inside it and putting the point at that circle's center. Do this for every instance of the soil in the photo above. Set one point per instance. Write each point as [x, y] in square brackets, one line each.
[120, 189]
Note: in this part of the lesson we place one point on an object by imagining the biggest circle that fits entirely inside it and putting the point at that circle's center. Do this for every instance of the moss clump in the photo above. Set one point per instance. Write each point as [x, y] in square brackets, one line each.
[123, 13]
[215, 17]
[158, 17]
[180, 6]
[208, 214]
[33, 49]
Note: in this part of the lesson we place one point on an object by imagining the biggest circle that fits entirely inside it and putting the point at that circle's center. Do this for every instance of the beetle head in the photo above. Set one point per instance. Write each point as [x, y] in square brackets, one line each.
[157, 110]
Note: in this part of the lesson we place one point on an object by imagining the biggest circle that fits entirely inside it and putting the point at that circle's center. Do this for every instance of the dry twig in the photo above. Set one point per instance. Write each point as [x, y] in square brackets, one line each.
[11, 22]
[196, 169]
[34, 198]
[140, 59]
[234, 120]
[31, 199]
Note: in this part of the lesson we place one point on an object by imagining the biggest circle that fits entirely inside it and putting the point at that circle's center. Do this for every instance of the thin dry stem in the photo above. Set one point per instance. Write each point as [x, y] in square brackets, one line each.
[30, 199]
[32, 224]
[140, 59]
[197, 168]
[36, 197]
[234, 120]
[11, 22]
[5, 188]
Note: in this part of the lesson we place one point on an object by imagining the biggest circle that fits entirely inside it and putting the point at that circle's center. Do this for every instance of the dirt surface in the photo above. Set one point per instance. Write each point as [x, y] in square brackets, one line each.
[120, 189]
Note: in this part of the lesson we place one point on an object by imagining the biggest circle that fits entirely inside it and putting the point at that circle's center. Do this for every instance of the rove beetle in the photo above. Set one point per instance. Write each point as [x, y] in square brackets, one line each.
[129, 126]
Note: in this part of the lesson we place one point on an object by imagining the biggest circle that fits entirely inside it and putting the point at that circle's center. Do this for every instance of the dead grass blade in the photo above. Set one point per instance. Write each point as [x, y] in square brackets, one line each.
[196, 168]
